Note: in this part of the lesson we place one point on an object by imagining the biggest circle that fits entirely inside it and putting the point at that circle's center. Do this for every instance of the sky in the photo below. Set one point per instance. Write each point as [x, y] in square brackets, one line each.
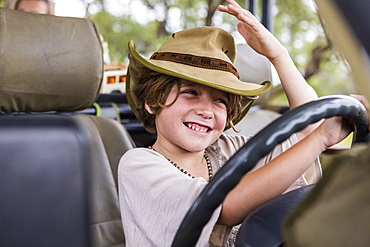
[75, 8]
[72, 8]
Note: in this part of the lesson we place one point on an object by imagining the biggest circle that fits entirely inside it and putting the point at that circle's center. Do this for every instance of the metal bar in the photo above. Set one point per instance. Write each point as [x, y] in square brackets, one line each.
[267, 15]
[252, 6]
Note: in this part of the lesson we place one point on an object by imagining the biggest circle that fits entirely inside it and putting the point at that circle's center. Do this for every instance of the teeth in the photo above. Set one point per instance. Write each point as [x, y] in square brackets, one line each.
[197, 128]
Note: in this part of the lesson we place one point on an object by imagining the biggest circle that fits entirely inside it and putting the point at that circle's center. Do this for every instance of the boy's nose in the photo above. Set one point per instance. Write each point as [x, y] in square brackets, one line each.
[205, 108]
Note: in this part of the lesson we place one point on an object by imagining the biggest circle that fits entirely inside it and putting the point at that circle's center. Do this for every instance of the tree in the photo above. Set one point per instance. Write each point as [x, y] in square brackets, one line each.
[162, 17]
[150, 22]
[298, 27]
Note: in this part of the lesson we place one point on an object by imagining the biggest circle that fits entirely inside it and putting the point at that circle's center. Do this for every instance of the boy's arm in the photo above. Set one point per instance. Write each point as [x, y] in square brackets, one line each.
[271, 180]
[296, 88]
[275, 177]
[262, 41]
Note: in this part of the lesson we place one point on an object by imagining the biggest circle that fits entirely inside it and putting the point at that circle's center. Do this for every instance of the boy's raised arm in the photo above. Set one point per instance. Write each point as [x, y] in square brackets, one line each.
[262, 41]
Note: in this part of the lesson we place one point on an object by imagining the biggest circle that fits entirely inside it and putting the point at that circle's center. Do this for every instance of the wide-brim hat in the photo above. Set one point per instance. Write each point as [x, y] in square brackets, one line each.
[203, 55]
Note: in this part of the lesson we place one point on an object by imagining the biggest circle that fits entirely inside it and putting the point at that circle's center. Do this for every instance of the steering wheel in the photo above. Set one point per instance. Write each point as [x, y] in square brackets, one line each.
[259, 146]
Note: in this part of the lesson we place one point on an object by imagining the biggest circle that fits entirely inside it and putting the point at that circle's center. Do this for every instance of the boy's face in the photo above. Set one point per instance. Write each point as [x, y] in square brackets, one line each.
[195, 120]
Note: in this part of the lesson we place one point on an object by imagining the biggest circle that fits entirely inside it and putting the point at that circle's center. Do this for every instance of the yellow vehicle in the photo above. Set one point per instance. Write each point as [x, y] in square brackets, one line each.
[114, 78]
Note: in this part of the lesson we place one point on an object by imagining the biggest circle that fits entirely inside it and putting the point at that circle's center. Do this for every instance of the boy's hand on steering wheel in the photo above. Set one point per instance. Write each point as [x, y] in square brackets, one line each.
[363, 101]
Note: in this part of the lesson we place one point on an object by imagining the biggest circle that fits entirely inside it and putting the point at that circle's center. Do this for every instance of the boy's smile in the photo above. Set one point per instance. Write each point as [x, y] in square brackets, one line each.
[197, 127]
[194, 121]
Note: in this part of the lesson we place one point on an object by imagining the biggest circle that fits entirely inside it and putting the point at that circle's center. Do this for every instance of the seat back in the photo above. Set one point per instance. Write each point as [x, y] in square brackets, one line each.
[255, 68]
[43, 182]
[51, 67]
[264, 226]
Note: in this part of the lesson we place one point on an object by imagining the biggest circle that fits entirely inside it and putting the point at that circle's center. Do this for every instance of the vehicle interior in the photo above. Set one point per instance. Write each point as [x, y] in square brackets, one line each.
[60, 141]
[58, 170]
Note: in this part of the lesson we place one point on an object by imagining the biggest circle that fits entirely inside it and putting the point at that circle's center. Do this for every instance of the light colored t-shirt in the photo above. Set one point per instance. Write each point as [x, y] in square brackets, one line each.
[155, 196]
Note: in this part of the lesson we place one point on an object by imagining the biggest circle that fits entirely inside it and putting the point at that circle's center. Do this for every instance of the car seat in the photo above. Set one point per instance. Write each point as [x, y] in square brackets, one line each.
[58, 172]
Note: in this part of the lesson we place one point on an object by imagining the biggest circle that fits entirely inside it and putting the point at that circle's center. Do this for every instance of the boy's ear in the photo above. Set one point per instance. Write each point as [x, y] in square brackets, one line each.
[147, 107]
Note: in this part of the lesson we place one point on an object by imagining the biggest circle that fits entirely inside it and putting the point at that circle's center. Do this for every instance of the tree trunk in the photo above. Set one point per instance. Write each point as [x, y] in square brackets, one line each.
[317, 57]
[212, 7]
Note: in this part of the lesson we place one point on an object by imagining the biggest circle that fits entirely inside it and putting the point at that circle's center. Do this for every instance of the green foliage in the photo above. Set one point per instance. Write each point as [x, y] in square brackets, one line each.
[296, 25]
[169, 16]
[119, 30]
[298, 28]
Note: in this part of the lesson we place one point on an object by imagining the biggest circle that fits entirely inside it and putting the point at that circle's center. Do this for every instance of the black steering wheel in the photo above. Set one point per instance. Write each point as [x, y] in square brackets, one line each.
[259, 146]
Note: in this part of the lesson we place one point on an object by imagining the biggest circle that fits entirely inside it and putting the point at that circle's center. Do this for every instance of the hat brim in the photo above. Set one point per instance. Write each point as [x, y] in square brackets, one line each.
[218, 79]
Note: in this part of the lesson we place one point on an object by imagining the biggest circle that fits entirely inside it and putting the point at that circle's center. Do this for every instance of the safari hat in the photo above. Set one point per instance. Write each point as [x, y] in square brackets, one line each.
[203, 55]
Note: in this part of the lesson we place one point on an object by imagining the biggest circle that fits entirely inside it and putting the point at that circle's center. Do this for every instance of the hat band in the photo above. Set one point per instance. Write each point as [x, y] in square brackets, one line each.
[196, 61]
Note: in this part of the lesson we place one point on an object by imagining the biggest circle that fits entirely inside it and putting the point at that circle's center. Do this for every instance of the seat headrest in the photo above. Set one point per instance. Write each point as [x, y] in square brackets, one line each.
[48, 63]
[254, 68]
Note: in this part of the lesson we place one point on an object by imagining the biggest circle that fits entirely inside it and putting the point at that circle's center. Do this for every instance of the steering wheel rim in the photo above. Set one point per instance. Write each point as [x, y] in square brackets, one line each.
[260, 145]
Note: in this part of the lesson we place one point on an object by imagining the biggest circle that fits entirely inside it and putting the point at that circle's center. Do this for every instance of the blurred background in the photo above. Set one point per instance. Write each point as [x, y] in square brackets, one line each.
[149, 22]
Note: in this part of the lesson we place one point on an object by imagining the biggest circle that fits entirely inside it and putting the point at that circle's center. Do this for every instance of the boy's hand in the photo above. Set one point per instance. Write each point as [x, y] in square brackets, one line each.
[334, 130]
[256, 35]
[364, 101]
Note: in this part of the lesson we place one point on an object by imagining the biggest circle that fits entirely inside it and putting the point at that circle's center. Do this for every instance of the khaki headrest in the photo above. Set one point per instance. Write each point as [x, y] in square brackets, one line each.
[48, 63]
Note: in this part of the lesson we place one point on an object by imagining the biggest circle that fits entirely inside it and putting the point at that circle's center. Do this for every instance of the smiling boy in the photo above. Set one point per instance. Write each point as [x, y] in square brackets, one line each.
[188, 93]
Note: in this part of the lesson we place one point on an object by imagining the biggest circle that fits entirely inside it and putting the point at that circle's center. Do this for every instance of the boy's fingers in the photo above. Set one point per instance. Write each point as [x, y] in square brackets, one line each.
[232, 2]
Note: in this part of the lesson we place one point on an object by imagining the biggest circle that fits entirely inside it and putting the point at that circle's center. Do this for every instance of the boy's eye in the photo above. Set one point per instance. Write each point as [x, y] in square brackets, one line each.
[189, 91]
[222, 101]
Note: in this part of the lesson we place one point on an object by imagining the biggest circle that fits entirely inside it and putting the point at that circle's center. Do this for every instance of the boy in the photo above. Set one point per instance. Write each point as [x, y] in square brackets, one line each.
[188, 93]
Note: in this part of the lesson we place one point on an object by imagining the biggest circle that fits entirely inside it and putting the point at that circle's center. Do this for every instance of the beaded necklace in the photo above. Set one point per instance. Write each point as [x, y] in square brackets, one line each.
[210, 172]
